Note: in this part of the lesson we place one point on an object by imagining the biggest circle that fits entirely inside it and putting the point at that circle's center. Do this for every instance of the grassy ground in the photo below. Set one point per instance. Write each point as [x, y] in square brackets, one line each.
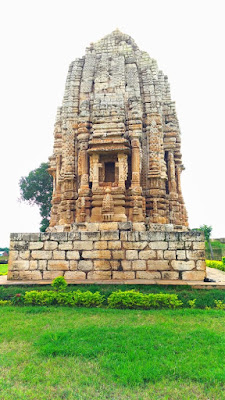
[63, 353]
[3, 269]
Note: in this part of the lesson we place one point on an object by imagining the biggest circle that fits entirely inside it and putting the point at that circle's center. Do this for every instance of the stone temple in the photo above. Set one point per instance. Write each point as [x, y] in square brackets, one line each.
[117, 208]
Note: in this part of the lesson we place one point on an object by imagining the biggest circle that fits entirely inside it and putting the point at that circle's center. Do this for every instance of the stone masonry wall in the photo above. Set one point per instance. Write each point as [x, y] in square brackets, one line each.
[107, 255]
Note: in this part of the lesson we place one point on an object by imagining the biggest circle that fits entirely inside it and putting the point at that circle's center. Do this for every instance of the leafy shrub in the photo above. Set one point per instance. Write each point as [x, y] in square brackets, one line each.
[219, 305]
[59, 284]
[18, 299]
[133, 299]
[215, 264]
[192, 303]
[223, 260]
[76, 298]
[43, 298]
[5, 303]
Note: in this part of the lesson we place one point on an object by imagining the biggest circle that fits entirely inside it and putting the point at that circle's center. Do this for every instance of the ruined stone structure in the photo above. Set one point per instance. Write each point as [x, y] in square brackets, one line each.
[117, 141]
[117, 206]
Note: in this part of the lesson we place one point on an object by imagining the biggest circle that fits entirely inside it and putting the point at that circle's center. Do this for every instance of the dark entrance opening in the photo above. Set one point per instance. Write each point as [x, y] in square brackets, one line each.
[109, 172]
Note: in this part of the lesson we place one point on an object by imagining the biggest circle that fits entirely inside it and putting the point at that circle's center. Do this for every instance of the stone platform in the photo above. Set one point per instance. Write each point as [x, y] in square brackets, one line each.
[112, 252]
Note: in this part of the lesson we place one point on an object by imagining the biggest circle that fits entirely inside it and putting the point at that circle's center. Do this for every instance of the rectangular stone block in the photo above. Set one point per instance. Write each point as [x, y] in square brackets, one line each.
[148, 275]
[147, 254]
[121, 275]
[33, 265]
[188, 245]
[139, 226]
[135, 245]
[181, 265]
[102, 265]
[176, 245]
[126, 265]
[114, 245]
[75, 275]
[158, 245]
[110, 235]
[95, 254]
[90, 236]
[13, 255]
[200, 265]
[30, 276]
[125, 226]
[45, 236]
[115, 265]
[19, 245]
[59, 236]
[172, 236]
[102, 245]
[193, 236]
[50, 245]
[83, 245]
[50, 275]
[36, 245]
[155, 236]
[170, 254]
[181, 255]
[73, 255]
[34, 237]
[66, 245]
[41, 255]
[58, 265]
[158, 265]
[131, 254]
[193, 275]
[198, 245]
[159, 255]
[85, 265]
[195, 254]
[74, 235]
[133, 236]
[138, 265]
[19, 265]
[108, 226]
[123, 235]
[59, 255]
[73, 265]
[118, 254]
[170, 275]
[42, 265]
[99, 275]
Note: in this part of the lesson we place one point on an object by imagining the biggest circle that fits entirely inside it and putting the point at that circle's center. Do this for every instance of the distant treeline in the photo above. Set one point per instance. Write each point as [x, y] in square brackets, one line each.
[4, 249]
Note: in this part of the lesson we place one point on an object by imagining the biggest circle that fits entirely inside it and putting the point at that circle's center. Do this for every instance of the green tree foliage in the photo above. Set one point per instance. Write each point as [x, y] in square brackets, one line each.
[206, 229]
[36, 188]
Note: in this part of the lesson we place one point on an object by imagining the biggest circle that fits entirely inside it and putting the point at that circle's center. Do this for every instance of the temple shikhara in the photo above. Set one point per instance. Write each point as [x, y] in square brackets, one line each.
[117, 207]
[117, 141]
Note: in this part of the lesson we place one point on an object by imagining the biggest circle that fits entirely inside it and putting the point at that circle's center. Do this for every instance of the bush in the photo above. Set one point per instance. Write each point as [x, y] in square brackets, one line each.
[5, 303]
[223, 260]
[76, 298]
[215, 264]
[59, 284]
[133, 299]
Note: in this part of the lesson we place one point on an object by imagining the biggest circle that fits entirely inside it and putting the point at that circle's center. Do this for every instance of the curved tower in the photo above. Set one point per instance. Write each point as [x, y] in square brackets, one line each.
[117, 141]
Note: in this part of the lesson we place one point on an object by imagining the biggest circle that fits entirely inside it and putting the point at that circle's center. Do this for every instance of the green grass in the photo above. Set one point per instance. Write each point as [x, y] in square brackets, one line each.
[3, 269]
[64, 353]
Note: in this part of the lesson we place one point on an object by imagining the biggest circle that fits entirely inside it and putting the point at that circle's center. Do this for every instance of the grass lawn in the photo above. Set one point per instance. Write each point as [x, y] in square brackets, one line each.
[89, 354]
[3, 269]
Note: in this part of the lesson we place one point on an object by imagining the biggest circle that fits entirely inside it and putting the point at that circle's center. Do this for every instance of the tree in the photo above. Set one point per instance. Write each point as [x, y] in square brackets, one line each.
[36, 188]
[207, 232]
